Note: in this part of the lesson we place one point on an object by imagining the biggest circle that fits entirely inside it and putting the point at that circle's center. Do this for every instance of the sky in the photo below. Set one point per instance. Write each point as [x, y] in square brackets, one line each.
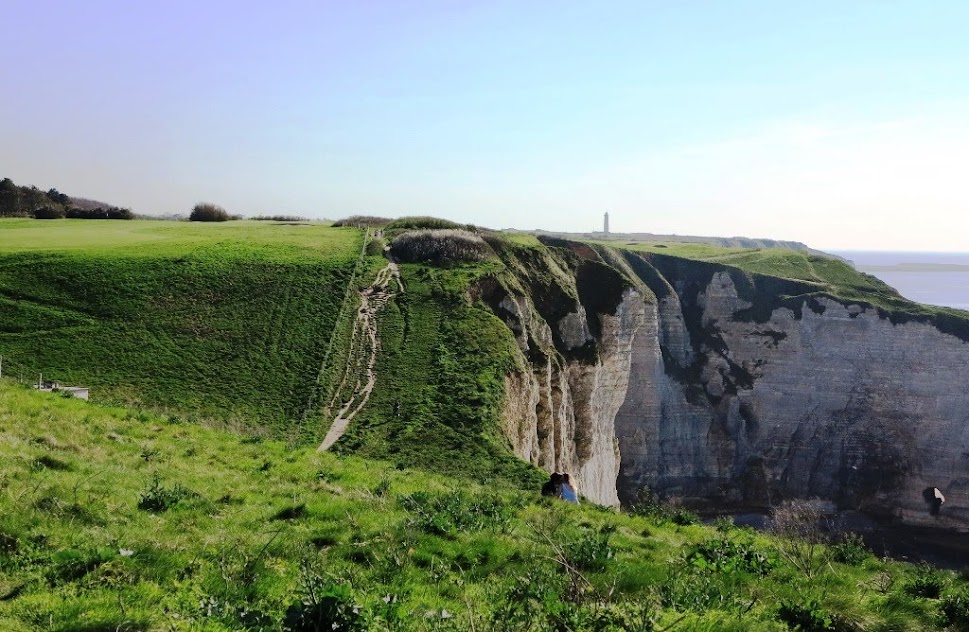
[844, 125]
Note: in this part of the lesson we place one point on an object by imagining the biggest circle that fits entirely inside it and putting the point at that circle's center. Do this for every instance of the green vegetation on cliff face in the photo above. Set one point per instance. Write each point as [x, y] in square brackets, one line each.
[440, 373]
[226, 322]
[114, 519]
[818, 274]
[773, 277]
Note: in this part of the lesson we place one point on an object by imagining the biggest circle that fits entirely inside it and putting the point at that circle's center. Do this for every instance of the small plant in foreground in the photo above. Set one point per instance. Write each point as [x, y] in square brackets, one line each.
[691, 589]
[928, 583]
[809, 616]
[801, 537]
[158, 498]
[649, 504]
[446, 514]
[326, 605]
[726, 555]
[591, 552]
[954, 610]
[850, 549]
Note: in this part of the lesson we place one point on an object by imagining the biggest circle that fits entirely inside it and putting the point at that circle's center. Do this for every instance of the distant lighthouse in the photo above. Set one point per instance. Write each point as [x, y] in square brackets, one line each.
[605, 223]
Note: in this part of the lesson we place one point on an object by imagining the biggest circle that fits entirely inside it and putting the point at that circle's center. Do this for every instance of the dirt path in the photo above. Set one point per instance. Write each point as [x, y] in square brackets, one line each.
[359, 376]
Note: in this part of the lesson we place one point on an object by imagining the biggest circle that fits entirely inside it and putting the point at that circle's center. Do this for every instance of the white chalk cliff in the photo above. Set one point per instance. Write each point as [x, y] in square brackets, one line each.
[663, 373]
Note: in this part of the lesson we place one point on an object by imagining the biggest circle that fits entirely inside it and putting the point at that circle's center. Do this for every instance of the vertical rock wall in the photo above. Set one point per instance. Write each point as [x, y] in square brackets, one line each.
[697, 382]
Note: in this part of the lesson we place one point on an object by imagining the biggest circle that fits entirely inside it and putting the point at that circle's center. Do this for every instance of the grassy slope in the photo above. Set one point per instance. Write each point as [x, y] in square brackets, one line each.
[829, 275]
[259, 526]
[231, 322]
[440, 381]
[227, 321]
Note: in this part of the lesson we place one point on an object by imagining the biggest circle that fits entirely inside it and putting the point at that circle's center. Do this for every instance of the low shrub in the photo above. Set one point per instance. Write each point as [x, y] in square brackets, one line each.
[205, 212]
[375, 247]
[99, 213]
[421, 222]
[850, 549]
[725, 555]
[809, 616]
[158, 498]
[326, 605]
[9, 543]
[689, 589]
[70, 565]
[49, 212]
[279, 218]
[928, 583]
[954, 611]
[382, 487]
[440, 247]
[590, 552]
[650, 505]
[51, 463]
[802, 539]
[362, 221]
[291, 513]
[449, 513]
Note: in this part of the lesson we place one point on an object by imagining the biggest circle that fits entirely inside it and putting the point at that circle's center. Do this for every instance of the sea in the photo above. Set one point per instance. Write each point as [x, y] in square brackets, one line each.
[933, 278]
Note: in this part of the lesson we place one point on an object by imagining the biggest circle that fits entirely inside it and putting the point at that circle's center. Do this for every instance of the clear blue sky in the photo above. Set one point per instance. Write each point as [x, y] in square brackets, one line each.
[840, 124]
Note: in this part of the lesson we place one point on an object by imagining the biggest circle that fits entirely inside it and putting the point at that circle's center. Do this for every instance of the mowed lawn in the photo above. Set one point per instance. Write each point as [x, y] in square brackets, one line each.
[226, 322]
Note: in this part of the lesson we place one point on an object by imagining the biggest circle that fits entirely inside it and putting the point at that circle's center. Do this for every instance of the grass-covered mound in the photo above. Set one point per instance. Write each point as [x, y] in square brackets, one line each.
[222, 321]
[113, 519]
[440, 247]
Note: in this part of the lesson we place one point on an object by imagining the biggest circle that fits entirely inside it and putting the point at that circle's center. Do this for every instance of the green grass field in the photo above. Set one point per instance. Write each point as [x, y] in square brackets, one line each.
[132, 518]
[226, 322]
[115, 519]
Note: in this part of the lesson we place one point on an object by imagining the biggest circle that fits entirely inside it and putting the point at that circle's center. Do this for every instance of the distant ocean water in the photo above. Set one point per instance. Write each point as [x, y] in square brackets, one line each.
[933, 278]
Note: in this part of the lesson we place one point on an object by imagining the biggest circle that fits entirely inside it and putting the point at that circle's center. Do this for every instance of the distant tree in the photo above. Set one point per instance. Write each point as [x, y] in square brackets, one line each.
[120, 213]
[57, 197]
[110, 212]
[206, 212]
[11, 199]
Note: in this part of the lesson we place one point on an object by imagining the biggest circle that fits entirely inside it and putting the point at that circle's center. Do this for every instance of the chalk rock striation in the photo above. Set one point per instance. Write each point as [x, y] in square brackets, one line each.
[728, 389]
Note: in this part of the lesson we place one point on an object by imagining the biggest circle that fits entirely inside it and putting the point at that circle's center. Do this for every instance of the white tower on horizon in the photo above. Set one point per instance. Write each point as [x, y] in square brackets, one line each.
[605, 223]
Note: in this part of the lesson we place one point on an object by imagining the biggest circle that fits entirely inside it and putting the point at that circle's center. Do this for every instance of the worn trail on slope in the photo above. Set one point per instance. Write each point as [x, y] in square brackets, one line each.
[359, 374]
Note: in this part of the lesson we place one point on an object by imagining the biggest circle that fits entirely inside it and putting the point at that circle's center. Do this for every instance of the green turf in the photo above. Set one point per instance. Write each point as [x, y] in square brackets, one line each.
[818, 276]
[440, 381]
[115, 519]
[219, 321]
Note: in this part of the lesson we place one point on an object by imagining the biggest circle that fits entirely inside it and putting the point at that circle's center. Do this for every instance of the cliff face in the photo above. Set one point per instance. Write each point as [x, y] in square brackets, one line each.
[576, 343]
[729, 389]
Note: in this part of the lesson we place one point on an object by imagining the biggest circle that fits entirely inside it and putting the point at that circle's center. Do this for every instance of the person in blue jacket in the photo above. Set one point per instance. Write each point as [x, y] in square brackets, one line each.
[569, 493]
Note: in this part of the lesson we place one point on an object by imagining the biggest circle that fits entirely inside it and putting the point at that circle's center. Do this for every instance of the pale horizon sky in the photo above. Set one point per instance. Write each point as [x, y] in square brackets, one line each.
[840, 125]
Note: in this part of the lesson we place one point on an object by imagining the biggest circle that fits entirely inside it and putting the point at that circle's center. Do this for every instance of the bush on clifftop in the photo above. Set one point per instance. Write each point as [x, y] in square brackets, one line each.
[205, 212]
[440, 247]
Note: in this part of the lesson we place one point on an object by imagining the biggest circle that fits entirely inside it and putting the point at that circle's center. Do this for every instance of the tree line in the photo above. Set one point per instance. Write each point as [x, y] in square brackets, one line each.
[29, 201]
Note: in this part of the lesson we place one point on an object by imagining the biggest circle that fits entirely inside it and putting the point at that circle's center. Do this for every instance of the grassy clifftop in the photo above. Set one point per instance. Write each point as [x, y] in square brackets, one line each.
[773, 277]
[227, 322]
[115, 519]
